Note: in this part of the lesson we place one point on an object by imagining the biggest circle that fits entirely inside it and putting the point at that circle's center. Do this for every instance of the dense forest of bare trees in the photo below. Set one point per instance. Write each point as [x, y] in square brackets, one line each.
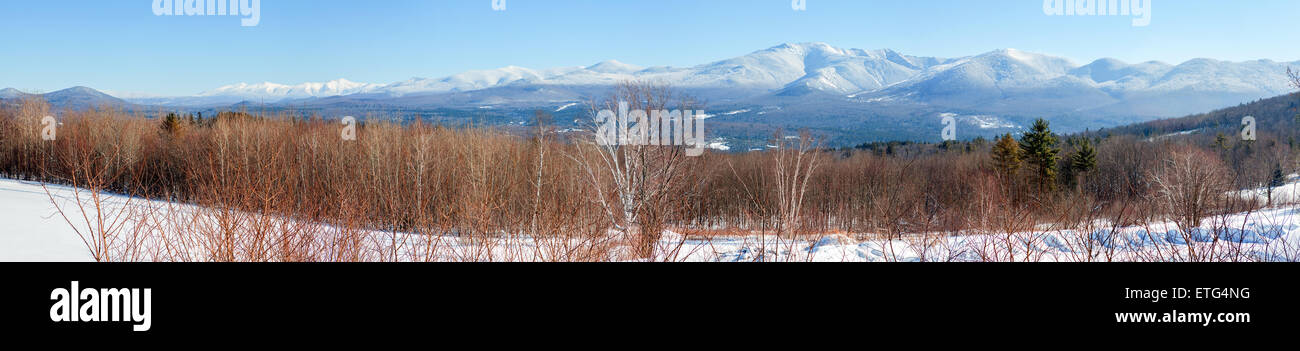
[248, 170]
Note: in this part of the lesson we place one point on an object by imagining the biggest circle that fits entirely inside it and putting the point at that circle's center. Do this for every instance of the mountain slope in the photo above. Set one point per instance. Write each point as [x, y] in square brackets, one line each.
[1277, 115]
[75, 98]
[1013, 82]
[11, 93]
[1002, 82]
[816, 65]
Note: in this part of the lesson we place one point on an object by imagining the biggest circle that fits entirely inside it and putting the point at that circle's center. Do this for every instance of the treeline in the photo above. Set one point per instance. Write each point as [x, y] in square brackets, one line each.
[481, 182]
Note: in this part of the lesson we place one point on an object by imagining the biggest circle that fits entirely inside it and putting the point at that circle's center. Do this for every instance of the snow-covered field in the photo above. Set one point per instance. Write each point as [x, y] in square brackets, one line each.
[1285, 194]
[32, 230]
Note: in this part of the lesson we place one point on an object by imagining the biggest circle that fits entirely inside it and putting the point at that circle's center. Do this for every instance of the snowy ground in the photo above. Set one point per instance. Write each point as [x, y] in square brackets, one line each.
[32, 230]
[1285, 194]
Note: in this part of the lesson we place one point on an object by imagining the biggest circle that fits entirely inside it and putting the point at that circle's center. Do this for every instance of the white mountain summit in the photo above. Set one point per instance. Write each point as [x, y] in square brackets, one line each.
[997, 81]
[274, 92]
[815, 65]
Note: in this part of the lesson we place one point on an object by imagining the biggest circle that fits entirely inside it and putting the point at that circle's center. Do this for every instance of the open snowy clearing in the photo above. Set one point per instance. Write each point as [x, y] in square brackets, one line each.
[31, 229]
[34, 231]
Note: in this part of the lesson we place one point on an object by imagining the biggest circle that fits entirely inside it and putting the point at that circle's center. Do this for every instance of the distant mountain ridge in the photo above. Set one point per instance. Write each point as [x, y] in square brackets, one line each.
[76, 98]
[1000, 82]
[854, 93]
[815, 65]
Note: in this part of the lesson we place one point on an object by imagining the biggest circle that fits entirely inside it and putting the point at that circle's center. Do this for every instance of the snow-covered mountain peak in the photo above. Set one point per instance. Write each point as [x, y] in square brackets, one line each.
[1027, 60]
[275, 91]
[613, 66]
[807, 48]
[1014, 79]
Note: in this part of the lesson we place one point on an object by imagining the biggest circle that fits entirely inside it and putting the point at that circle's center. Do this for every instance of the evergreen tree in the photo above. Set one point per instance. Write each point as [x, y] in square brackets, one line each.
[1040, 152]
[1006, 155]
[1278, 178]
[1065, 174]
[170, 123]
[1084, 160]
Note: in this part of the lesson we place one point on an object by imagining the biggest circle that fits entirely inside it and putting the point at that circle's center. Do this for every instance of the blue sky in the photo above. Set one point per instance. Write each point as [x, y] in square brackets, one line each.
[120, 45]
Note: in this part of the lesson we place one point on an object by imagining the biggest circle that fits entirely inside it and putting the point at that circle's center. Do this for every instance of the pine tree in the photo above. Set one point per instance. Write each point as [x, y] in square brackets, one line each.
[170, 123]
[1278, 178]
[1040, 152]
[1084, 160]
[1006, 155]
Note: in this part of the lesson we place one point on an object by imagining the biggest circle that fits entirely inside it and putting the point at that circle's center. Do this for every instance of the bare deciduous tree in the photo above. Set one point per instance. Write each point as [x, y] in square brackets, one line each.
[1295, 77]
[1188, 184]
[794, 163]
[645, 178]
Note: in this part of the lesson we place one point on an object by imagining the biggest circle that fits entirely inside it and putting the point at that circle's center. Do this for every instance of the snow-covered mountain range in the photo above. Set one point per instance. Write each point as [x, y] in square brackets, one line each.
[1006, 81]
[999, 80]
[280, 91]
[852, 93]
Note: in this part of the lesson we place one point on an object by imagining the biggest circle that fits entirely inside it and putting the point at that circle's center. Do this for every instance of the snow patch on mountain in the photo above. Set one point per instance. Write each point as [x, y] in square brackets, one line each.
[613, 66]
[275, 92]
[981, 121]
[566, 106]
